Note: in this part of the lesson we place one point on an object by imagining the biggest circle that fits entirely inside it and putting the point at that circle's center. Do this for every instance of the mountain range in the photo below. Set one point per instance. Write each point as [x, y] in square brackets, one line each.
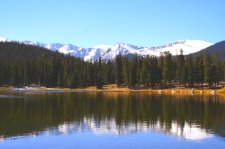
[216, 49]
[110, 51]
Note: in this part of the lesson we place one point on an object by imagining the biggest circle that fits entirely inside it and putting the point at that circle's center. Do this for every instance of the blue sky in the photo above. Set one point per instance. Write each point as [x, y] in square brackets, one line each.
[91, 22]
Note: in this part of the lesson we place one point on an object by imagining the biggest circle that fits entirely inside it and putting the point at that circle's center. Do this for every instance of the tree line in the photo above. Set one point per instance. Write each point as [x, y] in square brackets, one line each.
[168, 71]
[22, 65]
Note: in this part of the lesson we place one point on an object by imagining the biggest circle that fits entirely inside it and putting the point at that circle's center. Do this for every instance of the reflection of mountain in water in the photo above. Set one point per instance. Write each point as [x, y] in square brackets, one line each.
[188, 131]
[188, 117]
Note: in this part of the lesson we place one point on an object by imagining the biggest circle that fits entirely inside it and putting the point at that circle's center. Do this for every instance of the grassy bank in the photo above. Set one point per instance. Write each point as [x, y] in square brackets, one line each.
[115, 88]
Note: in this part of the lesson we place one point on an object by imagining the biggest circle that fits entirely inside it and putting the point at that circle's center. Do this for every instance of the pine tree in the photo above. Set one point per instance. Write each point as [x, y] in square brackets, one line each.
[118, 71]
[139, 65]
[144, 75]
[126, 71]
[218, 70]
[133, 72]
[160, 68]
[25, 65]
[180, 73]
[109, 72]
[153, 71]
[207, 69]
[190, 71]
[199, 70]
[167, 67]
[99, 83]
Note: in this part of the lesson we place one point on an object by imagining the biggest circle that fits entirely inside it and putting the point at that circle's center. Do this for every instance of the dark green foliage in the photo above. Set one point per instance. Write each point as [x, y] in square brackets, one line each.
[199, 70]
[167, 67]
[109, 74]
[119, 76]
[126, 70]
[21, 65]
[208, 69]
[218, 49]
[153, 71]
[144, 74]
[99, 82]
[190, 71]
[180, 73]
[133, 72]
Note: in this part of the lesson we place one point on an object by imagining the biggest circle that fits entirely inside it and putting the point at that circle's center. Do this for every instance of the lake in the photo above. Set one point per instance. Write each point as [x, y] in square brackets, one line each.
[110, 120]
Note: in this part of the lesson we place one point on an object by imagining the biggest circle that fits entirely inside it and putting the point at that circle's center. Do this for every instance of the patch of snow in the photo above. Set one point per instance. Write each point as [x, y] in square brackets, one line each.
[110, 126]
[3, 39]
[109, 52]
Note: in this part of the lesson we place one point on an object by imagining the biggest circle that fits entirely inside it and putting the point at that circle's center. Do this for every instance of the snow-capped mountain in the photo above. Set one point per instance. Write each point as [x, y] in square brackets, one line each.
[109, 126]
[3, 39]
[187, 131]
[110, 51]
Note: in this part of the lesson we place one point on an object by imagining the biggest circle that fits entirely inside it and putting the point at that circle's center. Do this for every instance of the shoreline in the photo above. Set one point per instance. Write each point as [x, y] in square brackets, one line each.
[114, 88]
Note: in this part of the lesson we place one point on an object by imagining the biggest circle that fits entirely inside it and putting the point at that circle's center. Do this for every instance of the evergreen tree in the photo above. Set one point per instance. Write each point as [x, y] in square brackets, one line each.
[109, 72]
[207, 69]
[133, 72]
[118, 71]
[199, 71]
[190, 71]
[99, 83]
[217, 70]
[167, 67]
[160, 67]
[144, 75]
[180, 73]
[126, 71]
[22, 64]
[153, 71]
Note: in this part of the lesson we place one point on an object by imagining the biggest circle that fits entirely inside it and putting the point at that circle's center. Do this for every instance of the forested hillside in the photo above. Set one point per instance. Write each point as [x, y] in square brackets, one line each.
[22, 64]
[216, 49]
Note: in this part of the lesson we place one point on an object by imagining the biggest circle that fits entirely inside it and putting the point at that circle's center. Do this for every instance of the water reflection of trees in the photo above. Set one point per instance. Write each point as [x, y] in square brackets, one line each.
[38, 112]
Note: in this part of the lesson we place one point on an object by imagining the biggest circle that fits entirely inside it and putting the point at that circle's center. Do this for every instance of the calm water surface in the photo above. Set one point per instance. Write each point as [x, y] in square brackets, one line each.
[110, 120]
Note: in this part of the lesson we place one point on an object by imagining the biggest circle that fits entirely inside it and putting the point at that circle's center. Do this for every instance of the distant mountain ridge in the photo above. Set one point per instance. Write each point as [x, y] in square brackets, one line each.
[110, 51]
[216, 49]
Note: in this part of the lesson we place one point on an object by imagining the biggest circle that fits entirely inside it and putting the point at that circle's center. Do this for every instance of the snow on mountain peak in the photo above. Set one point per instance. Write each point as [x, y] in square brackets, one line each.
[188, 47]
[106, 47]
[111, 51]
[3, 39]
